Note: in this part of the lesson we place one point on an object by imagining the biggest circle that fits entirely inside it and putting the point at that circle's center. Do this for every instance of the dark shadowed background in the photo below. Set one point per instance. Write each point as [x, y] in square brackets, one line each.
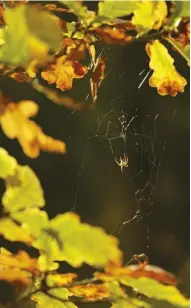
[88, 180]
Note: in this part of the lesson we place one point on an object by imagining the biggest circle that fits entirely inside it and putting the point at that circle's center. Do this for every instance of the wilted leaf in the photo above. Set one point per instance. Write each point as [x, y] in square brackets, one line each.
[44, 300]
[8, 164]
[165, 77]
[67, 239]
[90, 292]
[36, 34]
[15, 123]
[23, 190]
[184, 50]
[113, 35]
[20, 76]
[12, 232]
[149, 15]
[15, 276]
[63, 72]
[21, 260]
[60, 280]
[113, 9]
[97, 76]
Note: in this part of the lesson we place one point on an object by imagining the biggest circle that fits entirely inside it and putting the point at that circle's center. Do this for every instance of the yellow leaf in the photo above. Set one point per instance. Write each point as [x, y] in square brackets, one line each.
[21, 260]
[43, 300]
[90, 292]
[8, 164]
[23, 190]
[63, 72]
[149, 15]
[15, 123]
[12, 232]
[60, 280]
[165, 77]
[67, 239]
[15, 276]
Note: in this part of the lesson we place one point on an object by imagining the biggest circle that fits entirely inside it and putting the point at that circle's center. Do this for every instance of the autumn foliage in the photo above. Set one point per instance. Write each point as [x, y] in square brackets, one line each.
[47, 50]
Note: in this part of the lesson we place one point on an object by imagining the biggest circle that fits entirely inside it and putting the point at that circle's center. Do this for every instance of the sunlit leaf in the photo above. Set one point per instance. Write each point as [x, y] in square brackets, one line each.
[15, 123]
[16, 277]
[8, 164]
[43, 300]
[63, 72]
[90, 292]
[23, 190]
[149, 15]
[12, 232]
[32, 220]
[113, 9]
[154, 289]
[165, 77]
[97, 76]
[60, 280]
[21, 260]
[67, 239]
[36, 34]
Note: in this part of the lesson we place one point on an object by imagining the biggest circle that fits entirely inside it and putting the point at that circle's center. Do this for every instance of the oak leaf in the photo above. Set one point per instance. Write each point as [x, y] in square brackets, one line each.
[15, 123]
[90, 292]
[165, 77]
[16, 277]
[60, 280]
[12, 232]
[113, 36]
[48, 300]
[63, 72]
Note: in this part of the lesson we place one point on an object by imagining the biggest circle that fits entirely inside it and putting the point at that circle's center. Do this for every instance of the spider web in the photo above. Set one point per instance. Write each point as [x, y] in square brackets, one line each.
[132, 136]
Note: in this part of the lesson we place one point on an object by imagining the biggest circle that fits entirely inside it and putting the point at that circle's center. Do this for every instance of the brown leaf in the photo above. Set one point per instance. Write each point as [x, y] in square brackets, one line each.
[90, 292]
[15, 123]
[20, 76]
[21, 260]
[2, 22]
[63, 72]
[113, 35]
[97, 76]
[137, 271]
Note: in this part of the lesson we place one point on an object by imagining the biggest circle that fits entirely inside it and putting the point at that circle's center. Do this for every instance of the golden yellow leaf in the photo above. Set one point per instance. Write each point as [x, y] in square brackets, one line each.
[15, 123]
[165, 77]
[21, 260]
[90, 292]
[63, 72]
[149, 14]
[15, 276]
[60, 280]
[12, 232]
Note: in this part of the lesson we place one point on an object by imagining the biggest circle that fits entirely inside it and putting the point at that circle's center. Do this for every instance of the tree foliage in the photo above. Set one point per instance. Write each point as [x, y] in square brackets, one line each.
[46, 48]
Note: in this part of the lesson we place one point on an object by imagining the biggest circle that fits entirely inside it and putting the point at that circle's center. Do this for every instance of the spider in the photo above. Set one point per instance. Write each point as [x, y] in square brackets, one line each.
[123, 162]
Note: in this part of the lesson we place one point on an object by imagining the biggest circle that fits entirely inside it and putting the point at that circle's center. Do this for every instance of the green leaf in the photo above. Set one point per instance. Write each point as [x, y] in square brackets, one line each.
[179, 10]
[67, 239]
[113, 9]
[183, 50]
[61, 293]
[80, 11]
[12, 232]
[30, 33]
[154, 289]
[8, 164]
[23, 190]
[43, 300]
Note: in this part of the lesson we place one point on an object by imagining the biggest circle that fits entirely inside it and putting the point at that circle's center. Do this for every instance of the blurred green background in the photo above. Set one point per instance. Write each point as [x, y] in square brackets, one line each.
[87, 178]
